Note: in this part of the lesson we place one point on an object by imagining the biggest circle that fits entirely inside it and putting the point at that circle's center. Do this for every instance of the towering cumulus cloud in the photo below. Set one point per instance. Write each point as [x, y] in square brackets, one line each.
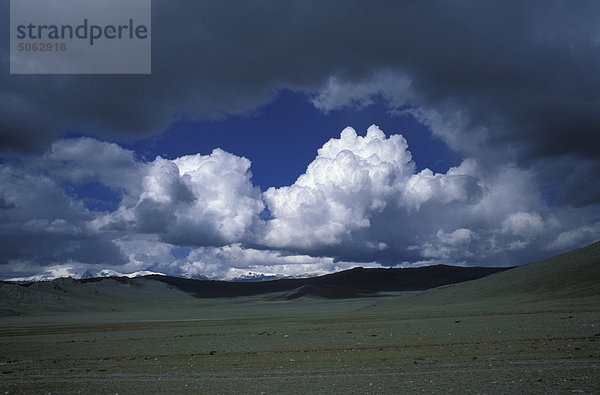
[193, 200]
[362, 197]
[360, 201]
[351, 179]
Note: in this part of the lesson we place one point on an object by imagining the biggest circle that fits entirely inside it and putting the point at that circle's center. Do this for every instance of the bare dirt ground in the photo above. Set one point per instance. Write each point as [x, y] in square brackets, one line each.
[366, 345]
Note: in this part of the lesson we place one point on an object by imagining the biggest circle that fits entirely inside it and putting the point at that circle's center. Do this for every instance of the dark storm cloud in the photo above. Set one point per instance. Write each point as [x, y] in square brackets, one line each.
[41, 223]
[512, 85]
[524, 71]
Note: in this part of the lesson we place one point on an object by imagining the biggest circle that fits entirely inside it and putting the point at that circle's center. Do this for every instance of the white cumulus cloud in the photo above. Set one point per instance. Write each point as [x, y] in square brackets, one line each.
[350, 179]
[361, 201]
[193, 200]
[233, 261]
[523, 223]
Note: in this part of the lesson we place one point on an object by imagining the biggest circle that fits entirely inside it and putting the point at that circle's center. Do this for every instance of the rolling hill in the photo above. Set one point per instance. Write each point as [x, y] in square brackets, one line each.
[573, 275]
[117, 293]
[347, 283]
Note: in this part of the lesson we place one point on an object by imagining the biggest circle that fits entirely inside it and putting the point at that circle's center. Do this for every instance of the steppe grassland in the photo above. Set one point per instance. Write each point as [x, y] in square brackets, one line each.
[388, 343]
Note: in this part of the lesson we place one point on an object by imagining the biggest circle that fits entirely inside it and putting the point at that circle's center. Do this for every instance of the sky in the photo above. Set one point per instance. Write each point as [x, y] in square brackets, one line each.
[301, 138]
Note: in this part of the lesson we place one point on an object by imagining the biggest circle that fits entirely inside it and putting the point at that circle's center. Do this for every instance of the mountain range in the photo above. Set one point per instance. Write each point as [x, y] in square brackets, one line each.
[572, 275]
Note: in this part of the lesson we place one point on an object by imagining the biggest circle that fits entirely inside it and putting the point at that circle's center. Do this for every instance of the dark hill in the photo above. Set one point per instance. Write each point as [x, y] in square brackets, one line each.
[348, 283]
[115, 293]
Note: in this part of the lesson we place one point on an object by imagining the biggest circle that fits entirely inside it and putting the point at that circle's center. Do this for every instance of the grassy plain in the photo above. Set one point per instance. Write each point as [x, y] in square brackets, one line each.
[534, 329]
